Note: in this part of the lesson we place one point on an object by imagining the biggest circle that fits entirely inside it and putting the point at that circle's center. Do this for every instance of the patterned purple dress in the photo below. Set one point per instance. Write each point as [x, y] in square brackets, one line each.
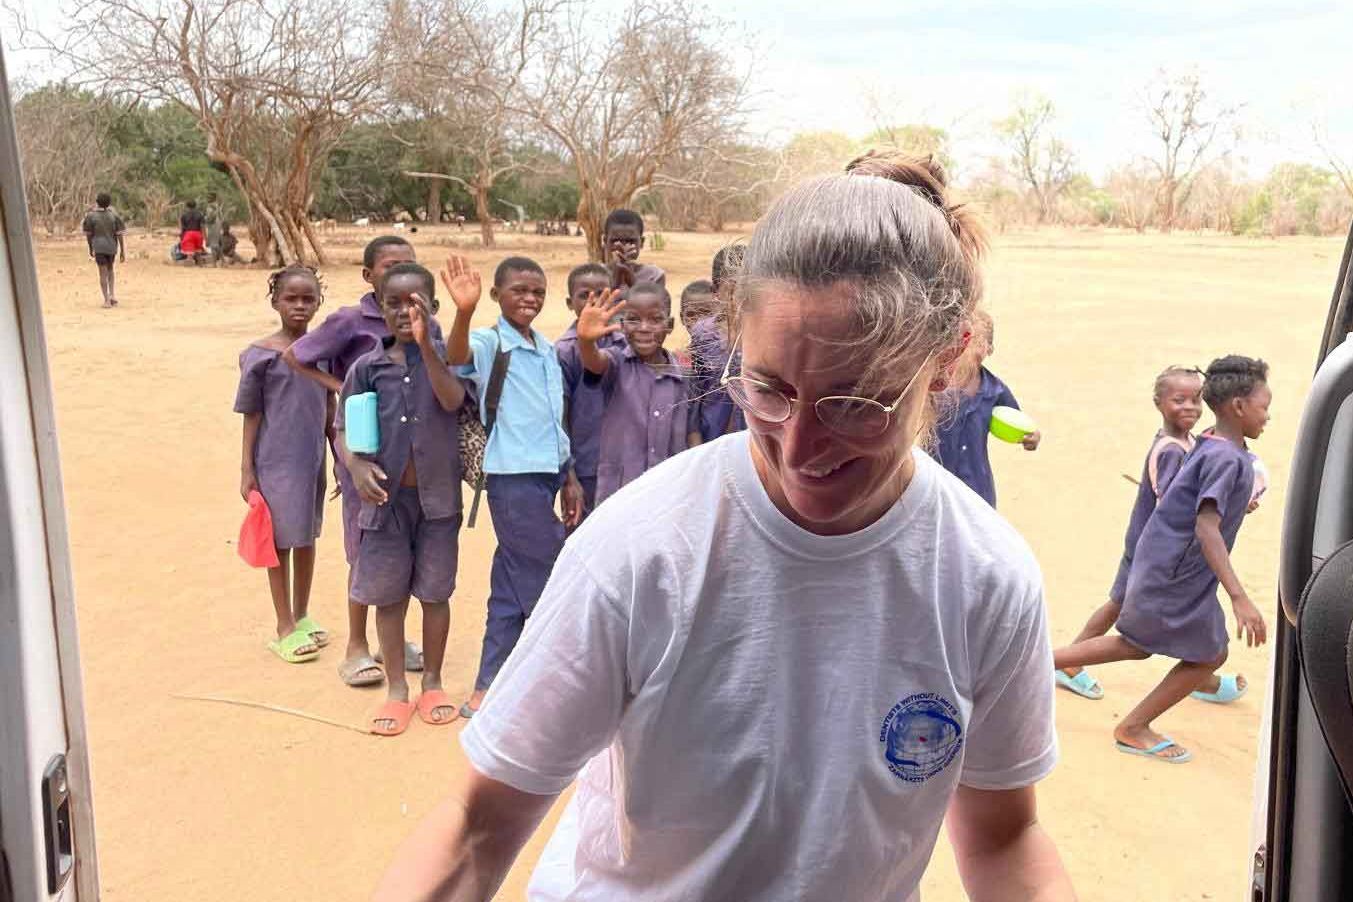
[1158, 471]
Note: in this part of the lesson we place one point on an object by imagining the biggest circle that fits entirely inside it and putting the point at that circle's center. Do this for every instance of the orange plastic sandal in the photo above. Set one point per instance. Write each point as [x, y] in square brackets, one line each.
[432, 700]
[400, 712]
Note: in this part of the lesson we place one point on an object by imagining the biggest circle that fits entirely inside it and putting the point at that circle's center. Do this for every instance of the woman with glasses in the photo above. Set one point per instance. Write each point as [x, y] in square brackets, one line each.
[774, 662]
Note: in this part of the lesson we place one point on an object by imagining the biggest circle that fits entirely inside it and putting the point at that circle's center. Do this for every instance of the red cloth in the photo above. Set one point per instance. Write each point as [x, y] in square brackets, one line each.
[256, 542]
[192, 243]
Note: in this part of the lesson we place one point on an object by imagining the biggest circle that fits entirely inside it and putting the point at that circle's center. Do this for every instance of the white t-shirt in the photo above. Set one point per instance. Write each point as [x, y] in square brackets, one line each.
[769, 714]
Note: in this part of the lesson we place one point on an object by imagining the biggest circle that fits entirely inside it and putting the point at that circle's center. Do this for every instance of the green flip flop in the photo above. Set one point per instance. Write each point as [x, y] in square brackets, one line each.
[307, 624]
[288, 649]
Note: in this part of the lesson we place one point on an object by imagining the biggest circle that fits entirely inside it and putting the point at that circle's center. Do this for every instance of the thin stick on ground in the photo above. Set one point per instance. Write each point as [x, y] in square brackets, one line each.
[277, 708]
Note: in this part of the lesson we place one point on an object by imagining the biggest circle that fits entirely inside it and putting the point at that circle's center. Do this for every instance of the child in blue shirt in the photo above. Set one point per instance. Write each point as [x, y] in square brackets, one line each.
[527, 461]
[961, 436]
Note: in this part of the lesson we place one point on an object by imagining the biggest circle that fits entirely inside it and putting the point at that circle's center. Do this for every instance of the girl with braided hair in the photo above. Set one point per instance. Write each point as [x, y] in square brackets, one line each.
[285, 420]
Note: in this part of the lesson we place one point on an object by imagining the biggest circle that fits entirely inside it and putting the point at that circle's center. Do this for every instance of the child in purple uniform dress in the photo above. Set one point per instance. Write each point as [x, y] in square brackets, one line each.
[709, 350]
[1171, 604]
[285, 418]
[1178, 396]
[649, 413]
[345, 335]
[585, 402]
[410, 492]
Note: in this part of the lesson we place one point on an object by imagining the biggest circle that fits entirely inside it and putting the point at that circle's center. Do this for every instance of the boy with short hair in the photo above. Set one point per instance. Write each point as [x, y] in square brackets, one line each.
[622, 238]
[104, 231]
[698, 302]
[528, 455]
[649, 415]
[709, 350]
[346, 335]
[410, 491]
[585, 402]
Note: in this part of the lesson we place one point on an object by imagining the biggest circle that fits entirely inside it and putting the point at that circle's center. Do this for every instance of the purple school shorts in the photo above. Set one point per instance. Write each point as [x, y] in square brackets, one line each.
[409, 556]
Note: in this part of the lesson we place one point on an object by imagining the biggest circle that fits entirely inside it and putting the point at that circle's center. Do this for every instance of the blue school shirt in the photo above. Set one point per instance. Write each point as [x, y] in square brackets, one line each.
[961, 437]
[528, 436]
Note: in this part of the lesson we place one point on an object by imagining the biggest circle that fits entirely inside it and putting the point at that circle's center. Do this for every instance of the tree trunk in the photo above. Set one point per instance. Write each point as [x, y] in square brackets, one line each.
[1167, 210]
[482, 212]
[433, 203]
[590, 221]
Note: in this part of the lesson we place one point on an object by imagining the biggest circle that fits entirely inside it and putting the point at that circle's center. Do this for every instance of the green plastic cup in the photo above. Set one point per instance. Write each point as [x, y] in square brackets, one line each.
[1011, 425]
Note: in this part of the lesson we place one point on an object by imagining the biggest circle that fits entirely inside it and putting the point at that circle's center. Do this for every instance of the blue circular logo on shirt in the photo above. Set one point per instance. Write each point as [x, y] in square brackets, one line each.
[920, 736]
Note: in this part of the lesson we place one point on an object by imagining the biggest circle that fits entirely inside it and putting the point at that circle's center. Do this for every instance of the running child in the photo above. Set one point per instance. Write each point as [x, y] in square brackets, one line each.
[410, 492]
[585, 402]
[961, 436]
[528, 454]
[622, 237]
[104, 231]
[345, 335]
[1178, 396]
[649, 413]
[285, 420]
[1171, 607]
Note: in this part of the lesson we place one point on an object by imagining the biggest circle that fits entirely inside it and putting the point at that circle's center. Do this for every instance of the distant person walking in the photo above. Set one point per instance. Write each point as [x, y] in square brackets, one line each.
[103, 232]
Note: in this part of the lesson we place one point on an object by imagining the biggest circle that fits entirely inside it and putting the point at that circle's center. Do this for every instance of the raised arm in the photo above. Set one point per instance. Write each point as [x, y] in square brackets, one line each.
[448, 389]
[594, 323]
[463, 283]
[462, 851]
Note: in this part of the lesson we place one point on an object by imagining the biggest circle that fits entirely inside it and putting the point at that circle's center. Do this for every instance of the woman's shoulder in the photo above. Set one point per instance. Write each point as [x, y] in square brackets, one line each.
[977, 546]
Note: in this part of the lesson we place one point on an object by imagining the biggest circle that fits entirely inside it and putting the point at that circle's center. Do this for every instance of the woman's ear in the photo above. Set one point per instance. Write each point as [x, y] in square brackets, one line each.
[947, 361]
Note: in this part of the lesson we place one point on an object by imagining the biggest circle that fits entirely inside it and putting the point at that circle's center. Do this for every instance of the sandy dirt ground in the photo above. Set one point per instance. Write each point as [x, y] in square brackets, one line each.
[204, 801]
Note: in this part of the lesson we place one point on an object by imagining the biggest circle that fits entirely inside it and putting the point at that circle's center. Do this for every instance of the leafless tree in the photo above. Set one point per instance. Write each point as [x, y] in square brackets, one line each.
[273, 84]
[464, 67]
[709, 184]
[1045, 165]
[621, 101]
[1135, 191]
[1337, 162]
[1188, 125]
[66, 153]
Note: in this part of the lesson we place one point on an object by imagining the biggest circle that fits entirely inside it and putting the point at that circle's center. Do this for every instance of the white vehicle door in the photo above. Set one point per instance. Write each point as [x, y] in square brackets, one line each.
[46, 812]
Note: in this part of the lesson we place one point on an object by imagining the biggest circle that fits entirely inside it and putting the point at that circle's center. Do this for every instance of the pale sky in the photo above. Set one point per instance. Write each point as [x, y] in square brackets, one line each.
[959, 64]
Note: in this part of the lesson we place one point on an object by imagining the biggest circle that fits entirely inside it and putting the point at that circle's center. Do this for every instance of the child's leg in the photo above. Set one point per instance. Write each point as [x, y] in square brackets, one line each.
[1099, 624]
[436, 556]
[529, 539]
[302, 576]
[1135, 729]
[357, 613]
[279, 583]
[1100, 650]
[105, 282]
[390, 633]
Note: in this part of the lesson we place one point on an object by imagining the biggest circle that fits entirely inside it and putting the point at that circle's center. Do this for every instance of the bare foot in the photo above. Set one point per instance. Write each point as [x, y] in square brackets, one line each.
[444, 713]
[1144, 738]
[1072, 672]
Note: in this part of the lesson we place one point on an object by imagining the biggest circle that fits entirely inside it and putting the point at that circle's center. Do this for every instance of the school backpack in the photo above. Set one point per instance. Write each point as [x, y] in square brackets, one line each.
[474, 433]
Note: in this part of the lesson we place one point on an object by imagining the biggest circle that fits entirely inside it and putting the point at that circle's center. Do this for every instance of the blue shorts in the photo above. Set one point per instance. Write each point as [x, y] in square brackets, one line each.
[409, 556]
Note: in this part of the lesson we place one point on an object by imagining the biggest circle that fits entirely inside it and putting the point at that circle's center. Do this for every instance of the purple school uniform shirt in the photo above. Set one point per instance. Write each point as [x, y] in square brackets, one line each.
[961, 437]
[1158, 471]
[413, 425]
[648, 417]
[1171, 605]
[586, 402]
[709, 354]
[345, 335]
[647, 272]
[289, 452]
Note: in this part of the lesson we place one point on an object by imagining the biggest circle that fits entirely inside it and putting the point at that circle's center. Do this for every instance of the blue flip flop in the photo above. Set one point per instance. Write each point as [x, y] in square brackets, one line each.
[1155, 751]
[1082, 684]
[1229, 690]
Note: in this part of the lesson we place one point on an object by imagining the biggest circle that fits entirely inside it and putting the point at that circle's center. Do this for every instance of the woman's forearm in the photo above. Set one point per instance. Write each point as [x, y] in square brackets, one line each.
[463, 850]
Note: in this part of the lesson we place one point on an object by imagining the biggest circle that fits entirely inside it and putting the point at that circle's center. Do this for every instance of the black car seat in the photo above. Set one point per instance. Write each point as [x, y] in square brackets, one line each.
[1325, 649]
